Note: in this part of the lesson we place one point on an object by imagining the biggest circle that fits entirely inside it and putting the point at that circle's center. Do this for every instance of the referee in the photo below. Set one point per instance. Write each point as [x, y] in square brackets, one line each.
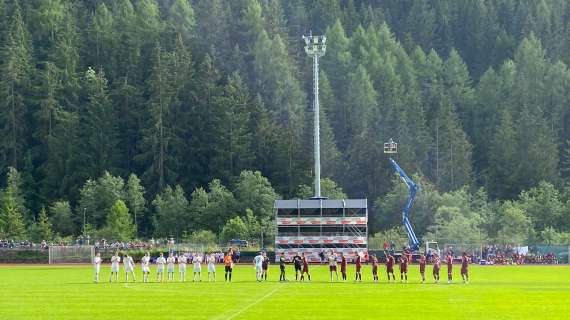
[297, 262]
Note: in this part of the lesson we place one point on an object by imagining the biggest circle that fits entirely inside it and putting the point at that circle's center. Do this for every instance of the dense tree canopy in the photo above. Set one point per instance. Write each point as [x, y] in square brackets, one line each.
[198, 110]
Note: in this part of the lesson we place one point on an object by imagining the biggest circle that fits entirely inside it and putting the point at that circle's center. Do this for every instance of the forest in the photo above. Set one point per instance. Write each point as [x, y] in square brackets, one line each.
[187, 118]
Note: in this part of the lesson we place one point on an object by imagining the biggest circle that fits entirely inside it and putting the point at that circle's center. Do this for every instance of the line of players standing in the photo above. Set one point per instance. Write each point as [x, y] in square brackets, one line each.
[261, 263]
[301, 264]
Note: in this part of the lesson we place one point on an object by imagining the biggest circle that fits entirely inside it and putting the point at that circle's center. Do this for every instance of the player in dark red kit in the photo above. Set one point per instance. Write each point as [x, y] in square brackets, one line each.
[305, 267]
[403, 267]
[343, 265]
[390, 267]
[423, 267]
[465, 267]
[449, 262]
[375, 268]
[436, 267]
[358, 265]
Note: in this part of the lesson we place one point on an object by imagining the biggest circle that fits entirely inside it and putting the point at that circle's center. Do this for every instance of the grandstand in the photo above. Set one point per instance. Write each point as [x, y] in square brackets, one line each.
[321, 225]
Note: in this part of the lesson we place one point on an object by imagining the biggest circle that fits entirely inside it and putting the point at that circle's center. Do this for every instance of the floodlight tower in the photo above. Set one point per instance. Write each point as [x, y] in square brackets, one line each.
[315, 46]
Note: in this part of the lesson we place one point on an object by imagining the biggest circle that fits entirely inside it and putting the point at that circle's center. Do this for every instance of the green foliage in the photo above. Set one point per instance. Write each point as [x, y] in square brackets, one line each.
[514, 225]
[11, 221]
[134, 198]
[171, 207]
[204, 237]
[120, 225]
[61, 218]
[396, 236]
[253, 191]
[41, 229]
[98, 196]
[329, 189]
[14, 194]
[234, 228]
[193, 93]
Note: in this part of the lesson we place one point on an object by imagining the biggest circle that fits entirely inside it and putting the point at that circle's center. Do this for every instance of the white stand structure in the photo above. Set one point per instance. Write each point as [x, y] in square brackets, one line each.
[320, 225]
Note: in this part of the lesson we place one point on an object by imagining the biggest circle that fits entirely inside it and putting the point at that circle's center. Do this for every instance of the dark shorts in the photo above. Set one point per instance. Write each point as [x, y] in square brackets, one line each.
[449, 269]
[404, 269]
[305, 269]
[422, 269]
[264, 268]
[297, 268]
[358, 268]
[374, 270]
[282, 267]
[343, 269]
[332, 268]
[464, 270]
[390, 269]
[228, 269]
[435, 271]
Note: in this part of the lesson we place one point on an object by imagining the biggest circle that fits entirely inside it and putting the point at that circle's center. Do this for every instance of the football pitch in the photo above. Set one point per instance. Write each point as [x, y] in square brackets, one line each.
[495, 292]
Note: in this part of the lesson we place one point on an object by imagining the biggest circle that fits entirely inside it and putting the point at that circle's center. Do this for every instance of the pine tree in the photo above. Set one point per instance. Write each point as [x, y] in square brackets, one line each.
[120, 225]
[158, 133]
[360, 113]
[458, 88]
[14, 195]
[337, 64]
[11, 222]
[181, 20]
[503, 164]
[99, 126]
[453, 167]
[565, 162]
[16, 69]
[41, 229]
[233, 143]
[134, 198]
[62, 219]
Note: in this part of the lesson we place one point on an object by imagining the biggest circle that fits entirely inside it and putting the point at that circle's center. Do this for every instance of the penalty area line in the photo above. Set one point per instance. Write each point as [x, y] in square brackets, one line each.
[254, 303]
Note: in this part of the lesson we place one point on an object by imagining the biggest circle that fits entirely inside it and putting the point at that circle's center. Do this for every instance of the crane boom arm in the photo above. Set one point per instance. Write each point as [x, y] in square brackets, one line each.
[413, 190]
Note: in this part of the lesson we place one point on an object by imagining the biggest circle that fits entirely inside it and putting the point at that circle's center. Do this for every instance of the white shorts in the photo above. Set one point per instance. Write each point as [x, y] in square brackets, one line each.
[97, 268]
[182, 267]
[114, 268]
[146, 269]
[198, 269]
[258, 269]
[128, 269]
[211, 268]
[171, 268]
[160, 269]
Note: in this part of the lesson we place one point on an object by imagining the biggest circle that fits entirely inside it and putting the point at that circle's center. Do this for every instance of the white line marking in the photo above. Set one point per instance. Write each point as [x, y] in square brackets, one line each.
[242, 310]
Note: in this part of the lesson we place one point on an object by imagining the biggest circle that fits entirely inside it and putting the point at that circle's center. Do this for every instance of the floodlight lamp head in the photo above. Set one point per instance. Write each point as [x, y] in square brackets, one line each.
[315, 45]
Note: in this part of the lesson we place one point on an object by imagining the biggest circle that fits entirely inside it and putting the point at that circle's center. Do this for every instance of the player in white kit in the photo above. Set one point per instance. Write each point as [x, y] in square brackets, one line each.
[115, 260]
[97, 264]
[129, 265]
[160, 262]
[211, 267]
[258, 263]
[170, 266]
[197, 261]
[182, 261]
[145, 264]
[332, 265]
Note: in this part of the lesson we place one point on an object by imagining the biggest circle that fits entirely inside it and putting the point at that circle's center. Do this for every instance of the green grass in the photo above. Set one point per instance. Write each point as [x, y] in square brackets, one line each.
[495, 292]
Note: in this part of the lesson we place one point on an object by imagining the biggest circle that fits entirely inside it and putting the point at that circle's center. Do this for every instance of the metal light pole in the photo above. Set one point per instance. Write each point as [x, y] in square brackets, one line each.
[315, 46]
